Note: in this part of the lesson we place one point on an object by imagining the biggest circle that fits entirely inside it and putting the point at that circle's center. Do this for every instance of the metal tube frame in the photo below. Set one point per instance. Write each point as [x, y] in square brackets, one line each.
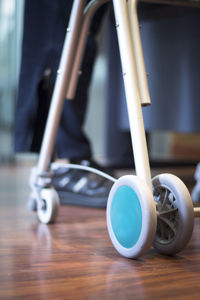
[129, 58]
[61, 85]
[89, 12]
[139, 57]
[134, 74]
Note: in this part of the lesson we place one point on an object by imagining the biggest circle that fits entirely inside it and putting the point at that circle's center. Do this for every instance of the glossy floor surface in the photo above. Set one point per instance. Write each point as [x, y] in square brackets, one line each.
[74, 258]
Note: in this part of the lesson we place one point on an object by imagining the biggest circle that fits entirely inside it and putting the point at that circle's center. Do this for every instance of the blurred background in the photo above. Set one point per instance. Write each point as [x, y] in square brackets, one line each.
[106, 134]
[11, 21]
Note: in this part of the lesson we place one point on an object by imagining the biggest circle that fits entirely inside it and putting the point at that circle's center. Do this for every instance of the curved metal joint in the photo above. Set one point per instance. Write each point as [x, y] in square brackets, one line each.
[95, 4]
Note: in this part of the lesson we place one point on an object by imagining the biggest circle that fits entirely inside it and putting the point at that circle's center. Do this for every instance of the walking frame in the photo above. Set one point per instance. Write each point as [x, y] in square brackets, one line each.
[140, 210]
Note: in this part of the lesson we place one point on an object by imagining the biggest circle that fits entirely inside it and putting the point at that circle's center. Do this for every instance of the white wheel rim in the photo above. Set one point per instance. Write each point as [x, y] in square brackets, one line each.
[48, 213]
[148, 227]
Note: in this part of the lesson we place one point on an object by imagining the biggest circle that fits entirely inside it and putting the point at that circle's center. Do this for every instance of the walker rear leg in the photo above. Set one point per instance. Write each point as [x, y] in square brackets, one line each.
[61, 85]
[66, 81]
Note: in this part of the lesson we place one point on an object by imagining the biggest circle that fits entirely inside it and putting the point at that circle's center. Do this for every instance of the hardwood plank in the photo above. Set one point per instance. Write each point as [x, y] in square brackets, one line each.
[74, 258]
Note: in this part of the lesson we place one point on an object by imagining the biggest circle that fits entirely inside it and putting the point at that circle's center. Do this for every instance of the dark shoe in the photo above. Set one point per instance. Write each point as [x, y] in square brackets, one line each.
[78, 187]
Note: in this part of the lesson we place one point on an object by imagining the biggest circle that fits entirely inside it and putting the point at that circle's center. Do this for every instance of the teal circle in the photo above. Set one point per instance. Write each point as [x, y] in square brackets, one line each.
[126, 216]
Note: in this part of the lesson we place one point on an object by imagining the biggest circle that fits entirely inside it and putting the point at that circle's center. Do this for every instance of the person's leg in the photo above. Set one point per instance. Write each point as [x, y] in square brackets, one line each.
[45, 25]
[71, 141]
[44, 29]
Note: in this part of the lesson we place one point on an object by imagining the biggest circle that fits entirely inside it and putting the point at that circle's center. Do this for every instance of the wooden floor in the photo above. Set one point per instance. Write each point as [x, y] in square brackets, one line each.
[74, 258]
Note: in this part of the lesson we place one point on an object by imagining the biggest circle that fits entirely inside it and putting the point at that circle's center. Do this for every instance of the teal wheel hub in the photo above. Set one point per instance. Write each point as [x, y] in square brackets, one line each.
[126, 216]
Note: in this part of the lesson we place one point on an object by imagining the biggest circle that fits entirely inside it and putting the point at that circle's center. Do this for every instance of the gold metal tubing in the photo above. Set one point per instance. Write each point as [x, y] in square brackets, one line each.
[89, 12]
[138, 52]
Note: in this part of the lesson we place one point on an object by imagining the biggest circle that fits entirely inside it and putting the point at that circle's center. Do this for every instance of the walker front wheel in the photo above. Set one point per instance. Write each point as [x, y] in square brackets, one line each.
[131, 216]
[48, 209]
[175, 214]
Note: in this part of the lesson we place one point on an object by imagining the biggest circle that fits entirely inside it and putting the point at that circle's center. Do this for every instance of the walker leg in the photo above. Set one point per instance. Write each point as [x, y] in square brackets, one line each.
[62, 82]
[129, 67]
[44, 198]
[71, 58]
[131, 211]
[68, 73]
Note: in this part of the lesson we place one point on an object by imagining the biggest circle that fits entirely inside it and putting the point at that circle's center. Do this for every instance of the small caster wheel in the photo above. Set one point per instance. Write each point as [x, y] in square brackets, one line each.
[48, 210]
[175, 214]
[131, 216]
